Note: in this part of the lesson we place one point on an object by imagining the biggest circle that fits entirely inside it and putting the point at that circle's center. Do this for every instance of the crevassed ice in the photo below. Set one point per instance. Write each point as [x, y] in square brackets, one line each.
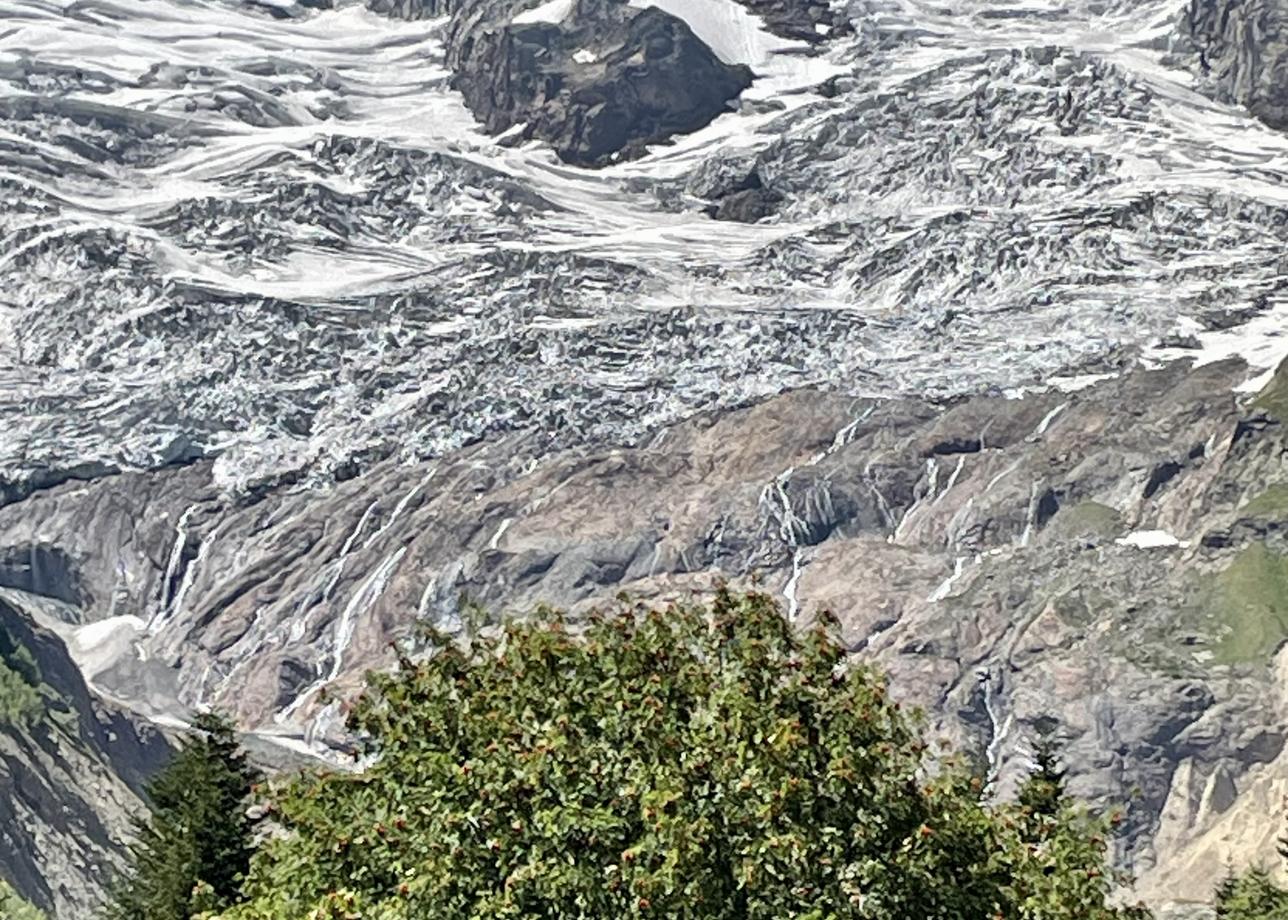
[285, 242]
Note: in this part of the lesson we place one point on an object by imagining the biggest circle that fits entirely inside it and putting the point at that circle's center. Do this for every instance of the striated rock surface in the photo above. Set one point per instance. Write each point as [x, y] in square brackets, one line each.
[1240, 49]
[71, 765]
[1107, 561]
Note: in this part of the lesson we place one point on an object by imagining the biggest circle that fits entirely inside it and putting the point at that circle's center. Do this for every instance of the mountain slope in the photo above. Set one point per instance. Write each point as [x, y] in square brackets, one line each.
[952, 321]
[71, 767]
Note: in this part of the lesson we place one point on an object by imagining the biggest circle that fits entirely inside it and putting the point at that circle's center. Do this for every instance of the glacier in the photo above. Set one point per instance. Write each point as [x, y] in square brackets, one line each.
[286, 244]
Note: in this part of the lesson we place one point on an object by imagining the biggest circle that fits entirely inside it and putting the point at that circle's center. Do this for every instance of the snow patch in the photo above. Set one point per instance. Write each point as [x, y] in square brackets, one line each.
[554, 12]
[96, 646]
[1151, 539]
[1261, 342]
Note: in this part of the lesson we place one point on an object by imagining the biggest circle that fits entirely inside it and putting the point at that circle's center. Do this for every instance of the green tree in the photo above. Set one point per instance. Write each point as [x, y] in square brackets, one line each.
[193, 849]
[12, 907]
[1042, 793]
[697, 762]
[1064, 850]
[21, 700]
[1251, 896]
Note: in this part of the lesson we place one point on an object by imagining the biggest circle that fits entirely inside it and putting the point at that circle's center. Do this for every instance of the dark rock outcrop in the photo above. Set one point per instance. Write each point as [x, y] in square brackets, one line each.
[1240, 47]
[734, 188]
[71, 773]
[601, 83]
[803, 20]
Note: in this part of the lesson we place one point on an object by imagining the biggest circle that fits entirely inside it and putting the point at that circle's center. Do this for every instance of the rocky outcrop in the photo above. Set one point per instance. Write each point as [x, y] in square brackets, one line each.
[286, 10]
[596, 79]
[802, 20]
[1240, 48]
[734, 189]
[71, 768]
[1105, 561]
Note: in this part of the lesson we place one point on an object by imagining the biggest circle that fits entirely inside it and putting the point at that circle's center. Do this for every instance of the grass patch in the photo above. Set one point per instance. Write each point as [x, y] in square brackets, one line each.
[1273, 502]
[1250, 603]
[1087, 519]
[13, 907]
[1274, 398]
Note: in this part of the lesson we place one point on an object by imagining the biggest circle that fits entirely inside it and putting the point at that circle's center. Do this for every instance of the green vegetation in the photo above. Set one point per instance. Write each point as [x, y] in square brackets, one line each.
[1251, 896]
[1273, 502]
[13, 907]
[194, 848]
[1274, 397]
[21, 699]
[1250, 602]
[1043, 792]
[695, 762]
[1087, 519]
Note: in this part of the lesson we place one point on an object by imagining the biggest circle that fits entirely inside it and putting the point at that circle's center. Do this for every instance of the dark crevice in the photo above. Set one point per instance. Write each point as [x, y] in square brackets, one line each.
[1161, 476]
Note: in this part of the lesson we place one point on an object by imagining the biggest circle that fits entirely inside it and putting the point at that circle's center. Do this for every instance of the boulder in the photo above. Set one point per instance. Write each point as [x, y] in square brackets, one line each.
[596, 79]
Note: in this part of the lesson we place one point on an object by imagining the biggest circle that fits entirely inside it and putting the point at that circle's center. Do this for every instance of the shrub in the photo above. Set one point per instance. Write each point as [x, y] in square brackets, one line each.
[12, 907]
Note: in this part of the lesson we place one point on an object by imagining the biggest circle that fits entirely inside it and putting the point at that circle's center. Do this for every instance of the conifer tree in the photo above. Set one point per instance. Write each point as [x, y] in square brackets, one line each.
[1043, 792]
[194, 848]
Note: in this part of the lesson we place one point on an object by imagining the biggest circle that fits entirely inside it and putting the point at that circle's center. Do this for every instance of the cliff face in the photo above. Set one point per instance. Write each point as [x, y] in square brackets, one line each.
[1240, 48]
[1106, 561]
[71, 767]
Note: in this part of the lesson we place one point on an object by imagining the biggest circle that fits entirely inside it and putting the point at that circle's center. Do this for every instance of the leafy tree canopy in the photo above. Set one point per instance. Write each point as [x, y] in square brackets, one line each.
[703, 761]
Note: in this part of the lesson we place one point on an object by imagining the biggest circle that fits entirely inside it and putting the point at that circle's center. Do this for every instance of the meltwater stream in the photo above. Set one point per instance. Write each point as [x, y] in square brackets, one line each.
[283, 240]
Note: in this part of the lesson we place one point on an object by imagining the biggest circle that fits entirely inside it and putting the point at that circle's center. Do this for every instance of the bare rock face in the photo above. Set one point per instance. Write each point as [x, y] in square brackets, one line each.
[1241, 48]
[71, 768]
[1104, 561]
[596, 79]
[803, 20]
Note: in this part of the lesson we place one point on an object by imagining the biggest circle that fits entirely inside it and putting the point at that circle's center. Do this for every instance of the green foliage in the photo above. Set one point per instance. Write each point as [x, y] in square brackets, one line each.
[1250, 600]
[1068, 847]
[1272, 502]
[1251, 896]
[193, 850]
[13, 907]
[697, 762]
[21, 700]
[1042, 794]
